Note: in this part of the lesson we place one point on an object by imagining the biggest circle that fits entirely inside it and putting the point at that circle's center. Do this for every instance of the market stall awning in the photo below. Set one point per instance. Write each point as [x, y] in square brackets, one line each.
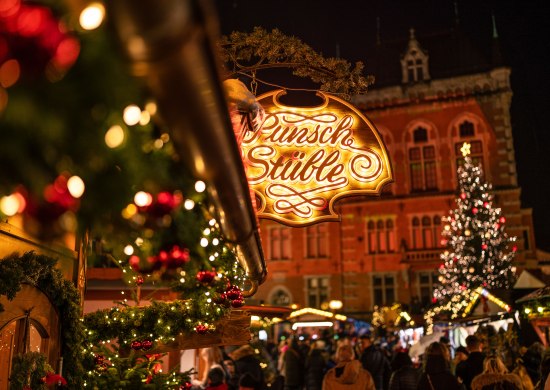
[170, 44]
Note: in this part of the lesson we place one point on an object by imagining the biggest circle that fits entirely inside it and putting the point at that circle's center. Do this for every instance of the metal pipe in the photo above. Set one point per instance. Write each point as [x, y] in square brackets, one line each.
[171, 45]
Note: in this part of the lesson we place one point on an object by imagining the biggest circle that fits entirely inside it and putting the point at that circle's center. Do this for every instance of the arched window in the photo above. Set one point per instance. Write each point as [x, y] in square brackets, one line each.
[427, 233]
[414, 63]
[468, 132]
[280, 298]
[422, 167]
[416, 234]
[390, 235]
[371, 237]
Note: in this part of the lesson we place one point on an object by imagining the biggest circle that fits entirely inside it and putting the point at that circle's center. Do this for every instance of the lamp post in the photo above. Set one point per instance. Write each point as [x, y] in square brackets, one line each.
[335, 305]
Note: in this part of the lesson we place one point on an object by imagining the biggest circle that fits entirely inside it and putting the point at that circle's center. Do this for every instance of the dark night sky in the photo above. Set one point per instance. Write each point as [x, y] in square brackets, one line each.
[524, 34]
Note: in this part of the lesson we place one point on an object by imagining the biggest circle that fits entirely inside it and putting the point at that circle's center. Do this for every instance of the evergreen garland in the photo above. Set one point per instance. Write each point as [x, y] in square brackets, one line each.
[28, 370]
[39, 271]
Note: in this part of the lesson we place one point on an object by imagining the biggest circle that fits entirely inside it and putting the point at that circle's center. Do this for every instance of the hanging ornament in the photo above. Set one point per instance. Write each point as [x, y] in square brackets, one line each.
[471, 270]
[434, 300]
[201, 329]
[177, 257]
[502, 220]
[462, 195]
[98, 359]
[484, 246]
[514, 248]
[206, 277]
[475, 210]
[139, 280]
[185, 386]
[237, 302]
[136, 345]
[486, 204]
[146, 345]
[234, 292]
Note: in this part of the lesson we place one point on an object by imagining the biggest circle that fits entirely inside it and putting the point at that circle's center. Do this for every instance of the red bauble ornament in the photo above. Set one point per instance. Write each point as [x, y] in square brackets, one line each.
[206, 277]
[514, 248]
[134, 262]
[463, 195]
[186, 386]
[177, 257]
[220, 299]
[136, 345]
[441, 266]
[233, 292]
[201, 329]
[98, 359]
[486, 204]
[146, 345]
[502, 220]
[475, 210]
[237, 302]
[139, 280]
[434, 300]
[483, 246]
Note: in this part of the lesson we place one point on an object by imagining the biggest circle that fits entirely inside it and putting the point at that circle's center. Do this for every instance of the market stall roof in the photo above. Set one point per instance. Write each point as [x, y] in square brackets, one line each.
[171, 46]
[538, 294]
[310, 313]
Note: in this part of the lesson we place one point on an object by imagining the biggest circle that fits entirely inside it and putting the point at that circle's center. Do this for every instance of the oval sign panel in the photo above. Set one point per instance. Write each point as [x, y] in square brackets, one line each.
[302, 160]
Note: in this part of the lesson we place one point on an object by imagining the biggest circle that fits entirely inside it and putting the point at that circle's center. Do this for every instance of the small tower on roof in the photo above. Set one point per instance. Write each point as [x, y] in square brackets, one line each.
[414, 62]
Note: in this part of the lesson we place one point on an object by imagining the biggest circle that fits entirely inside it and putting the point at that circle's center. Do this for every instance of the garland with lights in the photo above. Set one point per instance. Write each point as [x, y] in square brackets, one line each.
[39, 271]
[477, 246]
[135, 371]
[29, 371]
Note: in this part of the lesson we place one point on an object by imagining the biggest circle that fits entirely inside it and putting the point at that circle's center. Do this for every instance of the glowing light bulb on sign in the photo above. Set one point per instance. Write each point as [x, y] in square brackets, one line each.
[302, 160]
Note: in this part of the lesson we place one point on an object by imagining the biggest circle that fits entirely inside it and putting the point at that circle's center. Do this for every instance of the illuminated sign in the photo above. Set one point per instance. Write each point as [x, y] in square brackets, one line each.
[303, 159]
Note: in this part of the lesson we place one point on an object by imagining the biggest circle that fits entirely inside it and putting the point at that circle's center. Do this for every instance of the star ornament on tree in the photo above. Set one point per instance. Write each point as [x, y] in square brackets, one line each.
[465, 149]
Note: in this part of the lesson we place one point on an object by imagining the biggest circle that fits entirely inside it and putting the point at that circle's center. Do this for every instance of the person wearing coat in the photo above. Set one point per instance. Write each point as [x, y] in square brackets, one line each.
[294, 367]
[246, 362]
[437, 370]
[316, 364]
[495, 376]
[348, 374]
[404, 376]
[375, 362]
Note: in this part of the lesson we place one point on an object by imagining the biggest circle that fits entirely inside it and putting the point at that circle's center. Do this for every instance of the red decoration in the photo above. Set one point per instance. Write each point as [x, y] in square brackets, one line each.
[486, 204]
[502, 220]
[54, 379]
[441, 266]
[206, 277]
[136, 345]
[102, 367]
[475, 210]
[237, 302]
[483, 246]
[186, 386]
[233, 292]
[463, 195]
[434, 300]
[98, 359]
[146, 345]
[514, 248]
[139, 280]
[177, 257]
[201, 329]
[220, 299]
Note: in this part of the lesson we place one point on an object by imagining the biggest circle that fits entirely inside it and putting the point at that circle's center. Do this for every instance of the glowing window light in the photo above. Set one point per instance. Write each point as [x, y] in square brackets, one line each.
[92, 16]
[317, 324]
[131, 115]
[114, 137]
[76, 186]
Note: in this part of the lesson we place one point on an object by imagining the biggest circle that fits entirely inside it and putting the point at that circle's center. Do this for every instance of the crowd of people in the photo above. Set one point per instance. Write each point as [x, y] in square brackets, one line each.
[362, 364]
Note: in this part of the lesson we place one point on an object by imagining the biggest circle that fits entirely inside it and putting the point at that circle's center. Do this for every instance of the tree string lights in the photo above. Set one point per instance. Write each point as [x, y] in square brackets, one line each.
[477, 250]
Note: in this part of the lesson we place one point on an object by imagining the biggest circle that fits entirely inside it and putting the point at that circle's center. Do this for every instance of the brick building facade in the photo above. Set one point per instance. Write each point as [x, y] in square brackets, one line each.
[430, 96]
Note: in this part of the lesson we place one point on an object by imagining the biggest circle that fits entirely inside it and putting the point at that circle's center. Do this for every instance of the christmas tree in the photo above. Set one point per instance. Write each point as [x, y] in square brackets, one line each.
[478, 252]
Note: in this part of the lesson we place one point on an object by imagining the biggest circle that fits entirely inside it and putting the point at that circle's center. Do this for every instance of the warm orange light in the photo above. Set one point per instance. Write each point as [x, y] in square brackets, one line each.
[302, 160]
